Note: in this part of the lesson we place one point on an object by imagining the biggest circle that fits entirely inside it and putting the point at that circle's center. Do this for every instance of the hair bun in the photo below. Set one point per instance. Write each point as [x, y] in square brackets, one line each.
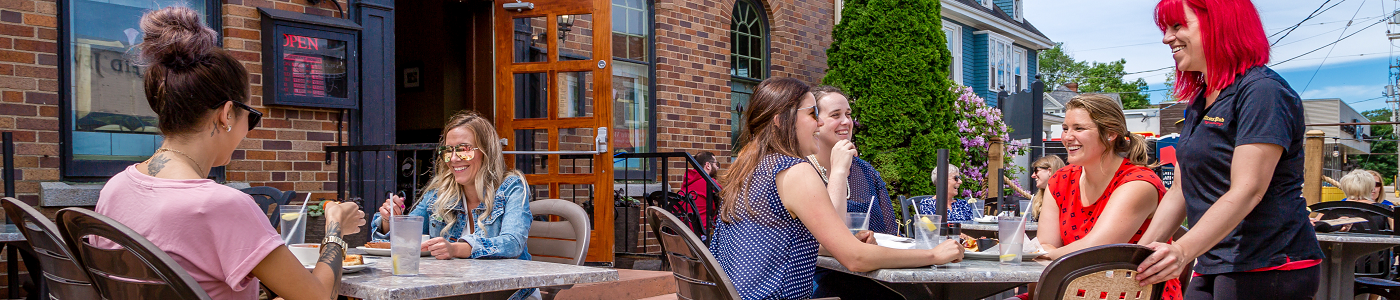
[175, 38]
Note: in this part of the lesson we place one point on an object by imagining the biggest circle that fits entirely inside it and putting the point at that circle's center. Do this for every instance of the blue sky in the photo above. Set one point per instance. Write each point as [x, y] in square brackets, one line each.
[1354, 69]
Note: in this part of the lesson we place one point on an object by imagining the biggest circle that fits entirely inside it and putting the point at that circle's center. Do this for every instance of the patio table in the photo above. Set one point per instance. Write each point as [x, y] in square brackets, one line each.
[457, 277]
[1342, 250]
[11, 237]
[989, 230]
[969, 279]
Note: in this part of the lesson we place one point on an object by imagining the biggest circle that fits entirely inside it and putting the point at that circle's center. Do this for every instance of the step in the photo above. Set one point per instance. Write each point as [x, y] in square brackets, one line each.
[663, 297]
[631, 284]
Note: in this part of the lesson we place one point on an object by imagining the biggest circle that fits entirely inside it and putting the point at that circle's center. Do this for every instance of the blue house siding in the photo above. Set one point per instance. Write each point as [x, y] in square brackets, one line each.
[1006, 5]
[978, 67]
[1033, 67]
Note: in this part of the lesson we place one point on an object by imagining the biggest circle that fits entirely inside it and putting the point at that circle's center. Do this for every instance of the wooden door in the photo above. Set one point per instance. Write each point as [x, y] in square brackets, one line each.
[553, 104]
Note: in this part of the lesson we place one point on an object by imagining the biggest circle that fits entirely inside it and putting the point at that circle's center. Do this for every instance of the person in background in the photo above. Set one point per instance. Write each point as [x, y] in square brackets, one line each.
[959, 210]
[215, 233]
[1359, 186]
[1107, 193]
[694, 184]
[470, 172]
[863, 182]
[1378, 194]
[772, 220]
[1240, 155]
[1040, 171]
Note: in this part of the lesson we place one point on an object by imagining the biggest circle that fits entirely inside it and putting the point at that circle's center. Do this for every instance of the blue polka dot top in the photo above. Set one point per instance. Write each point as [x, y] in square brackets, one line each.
[766, 251]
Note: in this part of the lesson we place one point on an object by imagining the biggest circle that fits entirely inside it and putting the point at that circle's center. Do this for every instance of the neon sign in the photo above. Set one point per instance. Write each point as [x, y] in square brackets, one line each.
[302, 42]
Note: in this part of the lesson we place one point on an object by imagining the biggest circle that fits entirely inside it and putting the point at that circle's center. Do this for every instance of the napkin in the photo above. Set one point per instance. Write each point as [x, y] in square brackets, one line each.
[892, 241]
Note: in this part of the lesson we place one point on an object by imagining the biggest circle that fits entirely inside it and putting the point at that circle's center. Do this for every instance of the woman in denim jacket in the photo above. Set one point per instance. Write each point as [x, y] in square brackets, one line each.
[470, 173]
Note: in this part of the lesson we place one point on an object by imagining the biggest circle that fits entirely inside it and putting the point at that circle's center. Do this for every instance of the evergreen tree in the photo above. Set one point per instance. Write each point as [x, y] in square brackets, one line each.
[1382, 158]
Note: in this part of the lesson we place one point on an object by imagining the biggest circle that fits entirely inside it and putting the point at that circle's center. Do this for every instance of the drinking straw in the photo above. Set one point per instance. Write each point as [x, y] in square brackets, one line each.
[867, 212]
[287, 240]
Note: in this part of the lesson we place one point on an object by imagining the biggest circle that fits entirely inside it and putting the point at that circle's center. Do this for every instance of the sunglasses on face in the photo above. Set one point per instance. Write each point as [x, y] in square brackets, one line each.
[463, 152]
[254, 116]
[815, 111]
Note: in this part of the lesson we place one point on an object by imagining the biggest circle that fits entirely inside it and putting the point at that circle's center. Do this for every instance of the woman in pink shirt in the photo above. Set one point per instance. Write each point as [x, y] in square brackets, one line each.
[215, 233]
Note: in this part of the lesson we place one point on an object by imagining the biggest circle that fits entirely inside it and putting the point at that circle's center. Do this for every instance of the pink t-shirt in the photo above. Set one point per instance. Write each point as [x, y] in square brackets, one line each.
[216, 233]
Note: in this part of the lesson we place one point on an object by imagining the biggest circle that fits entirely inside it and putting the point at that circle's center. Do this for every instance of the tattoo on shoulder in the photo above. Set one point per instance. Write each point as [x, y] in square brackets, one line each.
[156, 164]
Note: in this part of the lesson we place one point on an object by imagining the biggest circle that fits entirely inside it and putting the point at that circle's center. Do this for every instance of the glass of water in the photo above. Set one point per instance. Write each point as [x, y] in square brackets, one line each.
[855, 221]
[292, 224]
[927, 232]
[405, 241]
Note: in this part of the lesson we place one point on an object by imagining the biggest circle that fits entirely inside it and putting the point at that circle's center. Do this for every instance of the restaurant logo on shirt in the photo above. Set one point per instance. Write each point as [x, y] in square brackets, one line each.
[1214, 121]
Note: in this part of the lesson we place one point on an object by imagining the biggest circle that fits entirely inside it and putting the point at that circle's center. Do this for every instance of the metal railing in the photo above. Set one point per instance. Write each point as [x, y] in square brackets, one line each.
[659, 179]
[413, 164]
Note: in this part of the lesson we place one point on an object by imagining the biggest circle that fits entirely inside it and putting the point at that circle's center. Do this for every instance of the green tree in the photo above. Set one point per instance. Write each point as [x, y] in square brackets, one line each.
[891, 56]
[1383, 157]
[1059, 68]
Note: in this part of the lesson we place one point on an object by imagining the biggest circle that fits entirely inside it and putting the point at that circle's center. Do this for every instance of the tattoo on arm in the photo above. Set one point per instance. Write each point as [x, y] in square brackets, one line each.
[333, 255]
[156, 164]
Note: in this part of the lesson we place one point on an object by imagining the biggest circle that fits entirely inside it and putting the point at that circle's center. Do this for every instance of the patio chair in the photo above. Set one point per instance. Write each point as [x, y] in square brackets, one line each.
[1099, 272]
[564, 242]
[1373, 272]
[268, 199]
[1186, 274]
[136, 270]
[62, 276]
[908, 211]
[681, 206]
[698, 274]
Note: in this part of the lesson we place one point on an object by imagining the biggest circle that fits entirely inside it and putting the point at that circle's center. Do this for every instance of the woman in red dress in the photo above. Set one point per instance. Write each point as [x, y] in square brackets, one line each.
[1107, 194]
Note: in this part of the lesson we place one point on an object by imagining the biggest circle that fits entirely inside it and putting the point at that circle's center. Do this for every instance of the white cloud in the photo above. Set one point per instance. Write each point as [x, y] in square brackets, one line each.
[1343, 91]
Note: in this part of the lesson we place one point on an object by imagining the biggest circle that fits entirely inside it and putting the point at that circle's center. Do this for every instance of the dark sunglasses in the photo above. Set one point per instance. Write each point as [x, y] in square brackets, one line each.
[254, 116]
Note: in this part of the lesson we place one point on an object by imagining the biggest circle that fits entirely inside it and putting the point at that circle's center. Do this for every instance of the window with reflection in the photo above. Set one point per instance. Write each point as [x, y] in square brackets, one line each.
[748, 63]
[633, 109]
[109, 123]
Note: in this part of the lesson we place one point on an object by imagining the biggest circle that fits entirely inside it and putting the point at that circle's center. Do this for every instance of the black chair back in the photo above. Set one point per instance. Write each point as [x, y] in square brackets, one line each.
[908, 211]
[1378, 218]
[1099, 272]
[135, 270]
[681, 206]
[268, 199]
[62, 275]
[698, 274]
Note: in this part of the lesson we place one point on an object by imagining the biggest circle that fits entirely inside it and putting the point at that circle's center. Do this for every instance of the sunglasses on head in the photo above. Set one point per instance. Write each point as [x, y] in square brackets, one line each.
[254, 116]
[463, 152]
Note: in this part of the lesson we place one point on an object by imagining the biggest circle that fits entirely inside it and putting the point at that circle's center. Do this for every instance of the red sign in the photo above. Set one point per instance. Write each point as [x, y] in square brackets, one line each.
[302, 42]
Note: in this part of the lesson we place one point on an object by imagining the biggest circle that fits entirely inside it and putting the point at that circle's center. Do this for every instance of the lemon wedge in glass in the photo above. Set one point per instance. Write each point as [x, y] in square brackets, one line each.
[928, 224]
[1008, 257]
[290, 216]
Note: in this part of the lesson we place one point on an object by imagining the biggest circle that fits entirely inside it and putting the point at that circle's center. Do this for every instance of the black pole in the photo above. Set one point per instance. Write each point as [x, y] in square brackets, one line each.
[942, 184]
[9, 140]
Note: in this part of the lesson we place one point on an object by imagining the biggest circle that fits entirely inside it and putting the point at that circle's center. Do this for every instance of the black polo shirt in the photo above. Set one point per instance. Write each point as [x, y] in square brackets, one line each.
[1259, 107]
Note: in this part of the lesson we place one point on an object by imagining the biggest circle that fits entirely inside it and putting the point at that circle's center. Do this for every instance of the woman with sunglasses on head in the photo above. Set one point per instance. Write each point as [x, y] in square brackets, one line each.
[774, 216]
[1239, 182]
[215, 233]
[475, 206]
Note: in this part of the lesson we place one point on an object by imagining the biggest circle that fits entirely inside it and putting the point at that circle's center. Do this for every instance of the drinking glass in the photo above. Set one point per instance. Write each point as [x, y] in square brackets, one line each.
[1011, 232]
[926, 231]
[405, 243]
[292, 224]
[855, 221]
[1025, 204]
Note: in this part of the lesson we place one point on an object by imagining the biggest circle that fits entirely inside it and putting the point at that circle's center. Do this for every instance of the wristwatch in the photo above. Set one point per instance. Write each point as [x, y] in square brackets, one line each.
[337, 240]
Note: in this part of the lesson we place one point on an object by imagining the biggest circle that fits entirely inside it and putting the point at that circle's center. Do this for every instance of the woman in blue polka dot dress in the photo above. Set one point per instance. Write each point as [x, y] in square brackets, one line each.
[780, 212]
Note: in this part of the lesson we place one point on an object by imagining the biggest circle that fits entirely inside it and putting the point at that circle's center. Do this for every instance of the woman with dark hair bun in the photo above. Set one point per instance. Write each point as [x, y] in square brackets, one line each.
[215, 233]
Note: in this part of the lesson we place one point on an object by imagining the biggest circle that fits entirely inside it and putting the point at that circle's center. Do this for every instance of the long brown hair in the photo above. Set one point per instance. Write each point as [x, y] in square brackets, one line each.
[1108, 117]
[771, 128]
[489, 176]
[187, 75]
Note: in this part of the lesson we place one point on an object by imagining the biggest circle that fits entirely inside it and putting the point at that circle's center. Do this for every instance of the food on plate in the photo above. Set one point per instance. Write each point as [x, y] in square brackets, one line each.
[353, 260]
[977, 245]
[377, 245]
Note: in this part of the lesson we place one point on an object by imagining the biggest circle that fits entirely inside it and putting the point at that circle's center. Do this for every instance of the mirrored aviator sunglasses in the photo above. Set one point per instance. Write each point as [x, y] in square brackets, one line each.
[462, 152]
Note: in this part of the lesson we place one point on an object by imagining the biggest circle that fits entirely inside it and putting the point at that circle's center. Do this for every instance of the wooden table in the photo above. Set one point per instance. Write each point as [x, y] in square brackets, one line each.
[457, 277]
[1342, 250]
[969, 279]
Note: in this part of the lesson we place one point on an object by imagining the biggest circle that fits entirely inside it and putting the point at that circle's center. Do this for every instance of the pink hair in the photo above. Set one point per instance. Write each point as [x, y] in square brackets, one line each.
[1231, 34]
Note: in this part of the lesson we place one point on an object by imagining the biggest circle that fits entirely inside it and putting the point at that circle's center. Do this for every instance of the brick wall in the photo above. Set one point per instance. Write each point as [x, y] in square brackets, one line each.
[29, 90]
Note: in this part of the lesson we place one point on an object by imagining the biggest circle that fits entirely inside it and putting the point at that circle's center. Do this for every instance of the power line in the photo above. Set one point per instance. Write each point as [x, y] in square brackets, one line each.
[1311, 15]
[1334, 46]
[1334, 42]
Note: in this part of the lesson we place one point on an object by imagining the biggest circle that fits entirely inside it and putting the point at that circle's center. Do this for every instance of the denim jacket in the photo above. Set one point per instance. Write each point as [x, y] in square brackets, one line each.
[500, 235]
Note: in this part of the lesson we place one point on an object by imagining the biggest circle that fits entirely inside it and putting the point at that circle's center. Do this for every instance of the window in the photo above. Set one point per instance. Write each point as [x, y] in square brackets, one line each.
[1000, 62]
[1020, 70]
[953, 32]
[633, 108]
[107, 123]
[748, 64]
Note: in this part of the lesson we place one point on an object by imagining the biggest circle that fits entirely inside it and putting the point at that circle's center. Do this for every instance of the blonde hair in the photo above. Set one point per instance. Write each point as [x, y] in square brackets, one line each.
[1052, 163]
[489, 177]
[1358, 185]
[1108, 117]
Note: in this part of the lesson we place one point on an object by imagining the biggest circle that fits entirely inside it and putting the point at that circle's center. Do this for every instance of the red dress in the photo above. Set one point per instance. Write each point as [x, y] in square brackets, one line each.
[1076, 219]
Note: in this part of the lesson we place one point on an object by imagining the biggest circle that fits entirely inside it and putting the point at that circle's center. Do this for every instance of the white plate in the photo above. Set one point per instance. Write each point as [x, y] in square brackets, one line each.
[347, 269]
[383, 252]
[996, 256]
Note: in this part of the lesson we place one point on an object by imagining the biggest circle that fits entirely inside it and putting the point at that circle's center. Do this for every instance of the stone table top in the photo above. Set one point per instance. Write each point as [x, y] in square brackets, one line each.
[1361, 238]
[443, 278]
[967, 271]
[992, 226]
[10, 233]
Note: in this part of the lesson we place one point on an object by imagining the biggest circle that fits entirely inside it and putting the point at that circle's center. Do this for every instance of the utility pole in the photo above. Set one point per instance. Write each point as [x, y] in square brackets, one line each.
[1392, 91]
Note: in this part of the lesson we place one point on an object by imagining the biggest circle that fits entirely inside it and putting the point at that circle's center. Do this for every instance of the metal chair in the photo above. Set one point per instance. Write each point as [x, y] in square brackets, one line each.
[908, 211]
[136, 270]
[698, 274]
[1373, 272]
[1099, 272]
[62, 276]
[564, 242]
[1186, 274]
[681, 206]
[268, 199]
